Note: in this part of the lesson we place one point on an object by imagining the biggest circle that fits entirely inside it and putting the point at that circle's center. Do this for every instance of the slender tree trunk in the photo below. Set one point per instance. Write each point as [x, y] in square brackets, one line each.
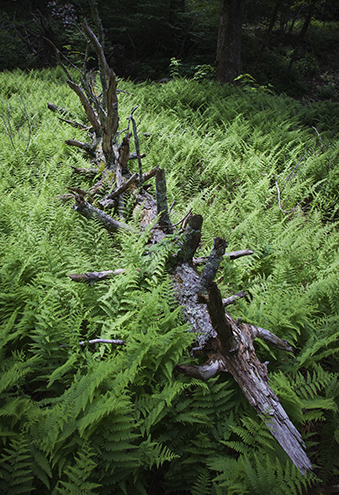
[300, 39]
[228, 61]
[268, 33]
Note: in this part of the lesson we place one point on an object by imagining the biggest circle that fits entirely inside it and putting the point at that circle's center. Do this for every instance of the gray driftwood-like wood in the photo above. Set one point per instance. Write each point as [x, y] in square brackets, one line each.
[101, 341]
[228, 346]
[237, 358]
[230, 300]
[95, 276]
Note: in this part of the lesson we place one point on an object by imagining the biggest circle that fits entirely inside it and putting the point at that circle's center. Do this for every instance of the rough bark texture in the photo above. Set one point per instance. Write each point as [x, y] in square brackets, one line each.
[162, 207]
[228, 346]
[228, 60]
[88, 211]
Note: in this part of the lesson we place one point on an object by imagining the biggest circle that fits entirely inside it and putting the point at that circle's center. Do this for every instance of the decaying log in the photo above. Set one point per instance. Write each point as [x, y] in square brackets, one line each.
[226, 343]
[228, 346]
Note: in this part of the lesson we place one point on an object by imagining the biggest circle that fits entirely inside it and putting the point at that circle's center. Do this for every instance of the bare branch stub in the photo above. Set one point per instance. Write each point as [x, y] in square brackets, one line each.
[97, 46]
[124, 154]
[89, 148]
[162, 205]
[269, 337]
[231, 299]
[112, 118]
[218, 319]
[191, 240]
[87, 107]
[89, 211]
[136, 142]
[95, 276]
[212, 265]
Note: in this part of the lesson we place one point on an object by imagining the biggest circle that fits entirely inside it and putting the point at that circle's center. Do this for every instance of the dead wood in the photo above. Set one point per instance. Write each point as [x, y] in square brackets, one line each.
[90, 212]
[227, 344]
[101, 341]
[89, 172]
[233, 256]
[87, 107]
[162, 206]
[228, 347]
[95, 276]
[89, 148]
[133, 156]
[230, 300]
[55, 108]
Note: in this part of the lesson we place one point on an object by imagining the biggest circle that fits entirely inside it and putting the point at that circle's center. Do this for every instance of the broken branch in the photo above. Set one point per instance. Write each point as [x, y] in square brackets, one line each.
[90, 212]
[190, 240]
[162, 205]
[232, 299]
[212, 265]
[97, 47]
[95, 276]
[270, 338]
[87, 107]
[100, 341]
[233, 255]
[219, 322]
[89, 148]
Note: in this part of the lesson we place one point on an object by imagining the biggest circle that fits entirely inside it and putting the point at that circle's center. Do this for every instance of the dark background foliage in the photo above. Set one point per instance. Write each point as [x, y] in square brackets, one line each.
[142, 37]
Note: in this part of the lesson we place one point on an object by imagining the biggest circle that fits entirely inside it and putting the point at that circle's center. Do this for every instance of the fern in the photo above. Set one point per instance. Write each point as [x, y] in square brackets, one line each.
[203, 484]
[78, 475]
[15, 464]
[107, 419]
[259, 475]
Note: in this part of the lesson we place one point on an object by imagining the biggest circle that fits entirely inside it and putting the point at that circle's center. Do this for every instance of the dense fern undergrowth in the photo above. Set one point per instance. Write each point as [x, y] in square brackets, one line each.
[263, 170]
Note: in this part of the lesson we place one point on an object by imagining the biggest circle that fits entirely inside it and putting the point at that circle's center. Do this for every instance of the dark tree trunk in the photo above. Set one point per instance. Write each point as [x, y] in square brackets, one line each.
[228, 61]
[300, 39]
[268, 33]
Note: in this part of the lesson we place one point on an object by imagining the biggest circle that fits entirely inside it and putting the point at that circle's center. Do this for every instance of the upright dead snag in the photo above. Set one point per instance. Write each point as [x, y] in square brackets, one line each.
[227, 344]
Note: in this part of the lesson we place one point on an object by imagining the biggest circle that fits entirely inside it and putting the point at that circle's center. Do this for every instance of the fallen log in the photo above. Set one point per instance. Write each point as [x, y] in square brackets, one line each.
[228, 346]
[226, 343]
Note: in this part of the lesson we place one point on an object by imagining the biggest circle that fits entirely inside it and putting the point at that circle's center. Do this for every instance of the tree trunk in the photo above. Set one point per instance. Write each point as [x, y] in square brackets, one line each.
[301, 36]
[269, 30]
[228, 60]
